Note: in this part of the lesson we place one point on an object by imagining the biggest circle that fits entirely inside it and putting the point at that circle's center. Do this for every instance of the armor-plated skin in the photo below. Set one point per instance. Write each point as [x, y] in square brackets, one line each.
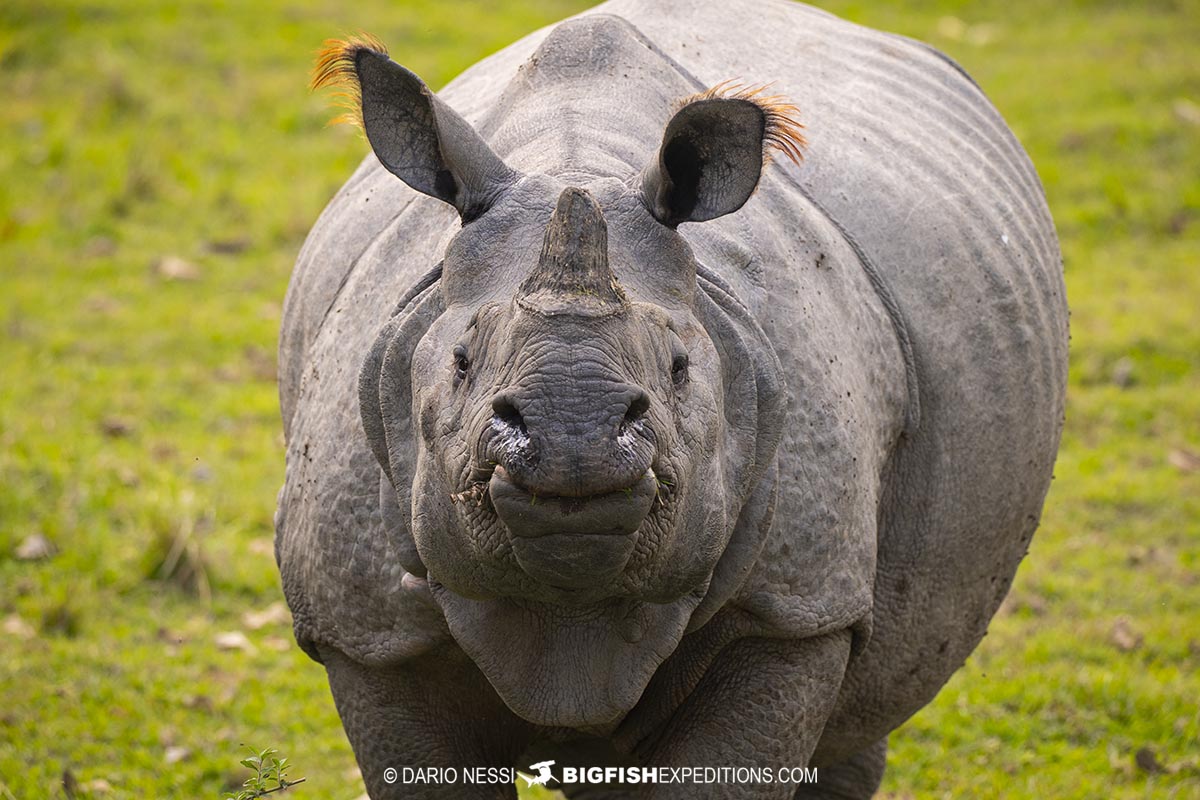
[877, 351]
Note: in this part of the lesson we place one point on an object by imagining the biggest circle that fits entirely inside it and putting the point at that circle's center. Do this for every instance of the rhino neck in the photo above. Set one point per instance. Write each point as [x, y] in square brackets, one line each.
[567, 667]
[593, 99]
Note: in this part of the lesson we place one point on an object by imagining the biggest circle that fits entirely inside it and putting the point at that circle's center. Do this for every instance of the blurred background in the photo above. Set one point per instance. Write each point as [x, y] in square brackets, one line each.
[160, 165]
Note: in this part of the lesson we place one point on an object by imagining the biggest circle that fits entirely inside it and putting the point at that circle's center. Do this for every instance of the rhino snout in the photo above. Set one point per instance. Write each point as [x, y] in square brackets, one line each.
[566, 444]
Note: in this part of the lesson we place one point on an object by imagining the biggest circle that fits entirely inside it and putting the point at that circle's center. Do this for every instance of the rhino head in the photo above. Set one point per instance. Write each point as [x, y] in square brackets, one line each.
[569, 421]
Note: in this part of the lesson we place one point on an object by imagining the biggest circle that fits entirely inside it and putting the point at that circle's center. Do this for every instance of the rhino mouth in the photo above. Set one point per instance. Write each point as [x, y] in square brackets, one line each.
[530, 516]
[572, 542]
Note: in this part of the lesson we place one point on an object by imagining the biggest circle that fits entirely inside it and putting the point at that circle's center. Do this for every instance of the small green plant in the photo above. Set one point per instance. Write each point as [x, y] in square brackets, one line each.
[270, 775]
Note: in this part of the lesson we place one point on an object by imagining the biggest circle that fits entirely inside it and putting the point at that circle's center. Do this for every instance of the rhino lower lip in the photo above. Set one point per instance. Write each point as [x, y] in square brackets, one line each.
[574, 561]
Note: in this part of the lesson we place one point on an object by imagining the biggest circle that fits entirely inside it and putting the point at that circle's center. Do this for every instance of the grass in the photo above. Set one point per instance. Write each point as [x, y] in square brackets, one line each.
[160, 166]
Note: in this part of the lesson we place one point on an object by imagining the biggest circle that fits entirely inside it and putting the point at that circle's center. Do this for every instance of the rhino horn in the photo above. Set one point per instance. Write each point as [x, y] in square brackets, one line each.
[572, 275]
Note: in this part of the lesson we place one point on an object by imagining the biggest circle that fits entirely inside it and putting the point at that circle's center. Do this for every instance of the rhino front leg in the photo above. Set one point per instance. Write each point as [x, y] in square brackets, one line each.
[435, 711]
[856, 778]
[762, 703]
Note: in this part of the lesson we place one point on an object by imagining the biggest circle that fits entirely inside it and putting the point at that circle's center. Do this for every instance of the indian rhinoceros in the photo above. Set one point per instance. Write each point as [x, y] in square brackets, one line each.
[610, 443]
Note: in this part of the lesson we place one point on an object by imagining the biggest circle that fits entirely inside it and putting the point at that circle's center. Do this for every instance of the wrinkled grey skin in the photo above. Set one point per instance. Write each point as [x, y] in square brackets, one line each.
[827, 505]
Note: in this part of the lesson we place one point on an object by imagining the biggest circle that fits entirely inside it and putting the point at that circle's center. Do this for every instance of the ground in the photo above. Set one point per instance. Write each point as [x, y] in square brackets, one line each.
[159, 167]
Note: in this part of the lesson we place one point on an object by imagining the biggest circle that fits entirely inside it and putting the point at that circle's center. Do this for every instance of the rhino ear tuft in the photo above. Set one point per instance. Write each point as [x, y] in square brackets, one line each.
[335, 68]
[416, 136]
[714, 150]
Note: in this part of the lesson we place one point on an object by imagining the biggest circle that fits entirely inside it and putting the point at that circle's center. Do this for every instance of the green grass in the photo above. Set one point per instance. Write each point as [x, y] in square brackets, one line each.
[137, 410]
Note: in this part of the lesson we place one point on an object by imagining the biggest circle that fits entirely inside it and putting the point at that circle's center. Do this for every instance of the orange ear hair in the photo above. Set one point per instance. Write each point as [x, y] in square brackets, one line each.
[783, 128]
[335, 67]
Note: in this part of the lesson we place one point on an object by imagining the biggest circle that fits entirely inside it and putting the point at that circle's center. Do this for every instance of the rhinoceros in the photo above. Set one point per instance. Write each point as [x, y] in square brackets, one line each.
[679, 388]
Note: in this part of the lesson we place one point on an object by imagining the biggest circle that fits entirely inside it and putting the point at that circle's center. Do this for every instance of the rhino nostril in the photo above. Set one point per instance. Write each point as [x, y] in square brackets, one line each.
[509, 443]
[638, 407]
[506, 411]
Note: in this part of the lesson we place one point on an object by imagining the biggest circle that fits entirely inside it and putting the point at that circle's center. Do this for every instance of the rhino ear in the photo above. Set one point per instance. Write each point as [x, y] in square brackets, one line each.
[714, 150]
[416, 136]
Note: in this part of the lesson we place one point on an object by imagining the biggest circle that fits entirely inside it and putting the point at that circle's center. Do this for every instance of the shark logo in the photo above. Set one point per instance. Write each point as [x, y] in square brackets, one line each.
[543, 774]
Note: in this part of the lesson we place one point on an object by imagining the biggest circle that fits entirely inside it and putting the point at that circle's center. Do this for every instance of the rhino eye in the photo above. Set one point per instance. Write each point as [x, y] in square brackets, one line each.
[461, 362]
[679, 368]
